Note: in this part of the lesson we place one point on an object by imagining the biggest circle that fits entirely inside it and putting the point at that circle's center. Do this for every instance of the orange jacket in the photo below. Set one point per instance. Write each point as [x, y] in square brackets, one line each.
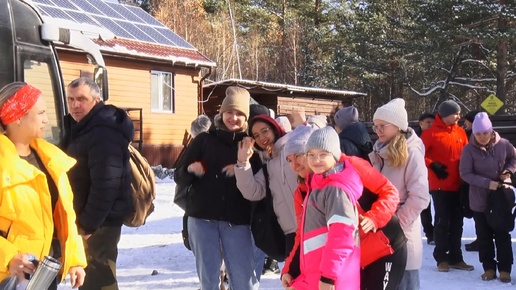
[443, 144]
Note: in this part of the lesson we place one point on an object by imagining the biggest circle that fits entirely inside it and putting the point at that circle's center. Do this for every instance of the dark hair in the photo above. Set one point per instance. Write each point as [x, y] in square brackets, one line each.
[426, 116]
[94, 88]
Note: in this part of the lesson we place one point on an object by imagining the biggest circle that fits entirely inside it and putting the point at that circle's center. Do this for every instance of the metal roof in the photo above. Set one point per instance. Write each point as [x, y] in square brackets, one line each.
[286, 90]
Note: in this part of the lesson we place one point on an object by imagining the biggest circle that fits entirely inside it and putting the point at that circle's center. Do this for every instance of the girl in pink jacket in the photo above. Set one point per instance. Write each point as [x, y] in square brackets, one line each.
[330, 251]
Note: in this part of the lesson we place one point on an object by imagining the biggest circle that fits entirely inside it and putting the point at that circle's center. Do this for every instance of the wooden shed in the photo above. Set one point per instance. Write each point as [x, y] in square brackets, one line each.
[281, 98]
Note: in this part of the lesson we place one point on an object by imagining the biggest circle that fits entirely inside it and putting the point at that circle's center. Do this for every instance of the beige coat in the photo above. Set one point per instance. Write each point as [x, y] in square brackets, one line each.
[411, 180]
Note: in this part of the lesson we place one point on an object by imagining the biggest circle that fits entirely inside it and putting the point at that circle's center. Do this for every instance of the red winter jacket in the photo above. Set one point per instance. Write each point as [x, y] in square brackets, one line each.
[443, 144]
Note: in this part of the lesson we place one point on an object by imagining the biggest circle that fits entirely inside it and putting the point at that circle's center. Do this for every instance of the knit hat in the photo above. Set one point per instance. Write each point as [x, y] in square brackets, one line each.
[317, 121]
[326, 139]
[284, 123]
[346, 116]
[201, 124]
[297, 140]
[393, 112]
[257, 109]
[470, 116]
[447, 108]
[237, 98]
[482, 123]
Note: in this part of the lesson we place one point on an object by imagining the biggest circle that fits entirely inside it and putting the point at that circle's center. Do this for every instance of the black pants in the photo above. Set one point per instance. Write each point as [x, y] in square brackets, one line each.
[101, 253]
[447, 227]
[426, 221]
[486, 246]
[385, 273]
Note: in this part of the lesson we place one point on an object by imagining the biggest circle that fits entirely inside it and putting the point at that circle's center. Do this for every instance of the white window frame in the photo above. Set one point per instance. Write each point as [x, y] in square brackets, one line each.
[161, 75]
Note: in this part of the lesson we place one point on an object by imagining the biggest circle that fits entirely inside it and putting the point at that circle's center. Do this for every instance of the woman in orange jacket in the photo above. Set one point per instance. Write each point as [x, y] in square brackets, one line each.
[36, 205]
[382, 239]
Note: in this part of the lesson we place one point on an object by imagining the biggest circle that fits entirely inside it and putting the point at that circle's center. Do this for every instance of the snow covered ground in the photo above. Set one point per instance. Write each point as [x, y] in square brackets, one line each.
[158, 247]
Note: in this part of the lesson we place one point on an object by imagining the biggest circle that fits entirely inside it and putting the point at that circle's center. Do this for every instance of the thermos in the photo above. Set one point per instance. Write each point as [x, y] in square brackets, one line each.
[45, 273]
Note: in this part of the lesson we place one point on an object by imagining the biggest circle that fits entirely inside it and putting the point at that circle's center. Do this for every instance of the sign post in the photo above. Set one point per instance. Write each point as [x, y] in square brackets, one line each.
[492, 104]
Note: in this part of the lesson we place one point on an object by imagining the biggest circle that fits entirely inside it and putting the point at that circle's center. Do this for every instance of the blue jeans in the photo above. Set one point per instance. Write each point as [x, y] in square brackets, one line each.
[212, 240]
[259, 259]
[410, 280]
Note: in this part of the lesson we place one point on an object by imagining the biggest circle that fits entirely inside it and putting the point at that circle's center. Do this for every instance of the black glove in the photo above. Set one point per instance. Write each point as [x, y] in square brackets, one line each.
[439, 170]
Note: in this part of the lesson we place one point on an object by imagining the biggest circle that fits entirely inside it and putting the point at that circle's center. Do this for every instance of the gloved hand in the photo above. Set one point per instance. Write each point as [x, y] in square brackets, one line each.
[439, 170]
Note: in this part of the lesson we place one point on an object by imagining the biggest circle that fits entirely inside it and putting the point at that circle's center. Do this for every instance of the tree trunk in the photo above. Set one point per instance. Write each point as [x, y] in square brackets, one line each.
[501, 62]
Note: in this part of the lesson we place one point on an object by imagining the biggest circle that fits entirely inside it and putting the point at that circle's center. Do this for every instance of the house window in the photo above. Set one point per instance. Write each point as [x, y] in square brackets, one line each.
[162, 92]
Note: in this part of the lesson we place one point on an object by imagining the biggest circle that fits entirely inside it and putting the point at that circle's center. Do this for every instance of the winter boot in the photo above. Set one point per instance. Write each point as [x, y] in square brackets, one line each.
[462, 266]
[443, 267]
[505, 277]
[488, 275]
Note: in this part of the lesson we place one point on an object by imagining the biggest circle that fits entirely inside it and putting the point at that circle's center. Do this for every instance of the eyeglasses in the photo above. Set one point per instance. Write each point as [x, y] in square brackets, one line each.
[321, 156]
[296, 157]
[377, 129]
[262, 133]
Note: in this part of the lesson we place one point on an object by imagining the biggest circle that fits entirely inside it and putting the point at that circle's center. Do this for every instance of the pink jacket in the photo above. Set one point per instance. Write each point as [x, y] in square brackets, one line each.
[330, 242]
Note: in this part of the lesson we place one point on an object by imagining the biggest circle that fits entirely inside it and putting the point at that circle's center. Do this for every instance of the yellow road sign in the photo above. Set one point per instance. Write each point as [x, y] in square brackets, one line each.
[492, 104]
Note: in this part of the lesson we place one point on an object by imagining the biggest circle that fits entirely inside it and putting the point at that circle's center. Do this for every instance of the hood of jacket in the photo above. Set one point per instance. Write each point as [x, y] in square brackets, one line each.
[357, 133]
[102, 115]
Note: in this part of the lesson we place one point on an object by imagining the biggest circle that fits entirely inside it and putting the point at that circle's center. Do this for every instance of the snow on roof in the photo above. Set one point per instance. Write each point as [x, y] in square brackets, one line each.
[276, 87]
[176, 55]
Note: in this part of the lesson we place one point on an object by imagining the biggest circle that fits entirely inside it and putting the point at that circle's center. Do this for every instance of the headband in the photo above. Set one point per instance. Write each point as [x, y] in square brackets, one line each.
[19, 104]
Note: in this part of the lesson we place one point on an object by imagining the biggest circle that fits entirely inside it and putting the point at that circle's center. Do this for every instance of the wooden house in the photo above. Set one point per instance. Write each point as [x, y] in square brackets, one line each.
[152, 72]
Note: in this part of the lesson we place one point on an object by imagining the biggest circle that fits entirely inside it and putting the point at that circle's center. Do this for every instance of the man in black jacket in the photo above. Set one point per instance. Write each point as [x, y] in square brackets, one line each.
[97, 136]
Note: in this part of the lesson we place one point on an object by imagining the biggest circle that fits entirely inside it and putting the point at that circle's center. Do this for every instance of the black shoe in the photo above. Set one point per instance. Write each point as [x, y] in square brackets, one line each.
[270, 267]
[472, 247]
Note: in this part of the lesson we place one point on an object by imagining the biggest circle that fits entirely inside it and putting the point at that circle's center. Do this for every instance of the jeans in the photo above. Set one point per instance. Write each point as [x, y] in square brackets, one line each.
[259, 259]
[410, 280]
[213, 240]
[447, 227]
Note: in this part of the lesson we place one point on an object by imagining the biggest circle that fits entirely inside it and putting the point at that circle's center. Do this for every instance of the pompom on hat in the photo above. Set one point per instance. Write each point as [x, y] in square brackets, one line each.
[394, 113]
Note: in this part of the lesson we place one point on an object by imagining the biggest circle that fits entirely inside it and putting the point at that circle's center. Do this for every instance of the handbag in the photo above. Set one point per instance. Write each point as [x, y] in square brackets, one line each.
[499, 213]
[267, 233]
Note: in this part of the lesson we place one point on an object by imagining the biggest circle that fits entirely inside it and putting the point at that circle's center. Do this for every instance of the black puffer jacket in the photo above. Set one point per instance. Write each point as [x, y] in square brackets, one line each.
[215, 196]
[101, 178]
[355, 141]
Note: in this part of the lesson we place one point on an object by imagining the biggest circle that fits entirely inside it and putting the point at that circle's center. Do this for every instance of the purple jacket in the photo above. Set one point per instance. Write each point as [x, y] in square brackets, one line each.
[479, 166]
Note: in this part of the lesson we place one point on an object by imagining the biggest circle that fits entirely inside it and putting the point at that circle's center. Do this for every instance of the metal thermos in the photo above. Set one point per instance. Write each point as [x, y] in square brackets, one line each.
[45, 273]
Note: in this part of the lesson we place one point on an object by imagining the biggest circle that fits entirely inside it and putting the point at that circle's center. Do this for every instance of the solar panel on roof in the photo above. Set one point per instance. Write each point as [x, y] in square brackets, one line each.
[125, 13]
[123, 20]
[174, 38]
[64, 4]
[56, 13]
[81, 18]
[144, 16]
[135, 31]
[48, 2]
[87, 7]
[115, 28]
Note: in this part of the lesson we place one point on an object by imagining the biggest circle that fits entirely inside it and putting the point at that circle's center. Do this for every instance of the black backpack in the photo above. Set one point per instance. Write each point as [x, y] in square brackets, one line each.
[267, 233]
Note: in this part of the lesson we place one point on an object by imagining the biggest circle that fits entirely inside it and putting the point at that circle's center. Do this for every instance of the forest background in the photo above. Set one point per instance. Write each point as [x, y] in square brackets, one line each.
[425, 51]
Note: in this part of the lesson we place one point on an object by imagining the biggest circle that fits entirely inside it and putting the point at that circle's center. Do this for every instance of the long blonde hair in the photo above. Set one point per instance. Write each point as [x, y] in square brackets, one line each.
[397, 150]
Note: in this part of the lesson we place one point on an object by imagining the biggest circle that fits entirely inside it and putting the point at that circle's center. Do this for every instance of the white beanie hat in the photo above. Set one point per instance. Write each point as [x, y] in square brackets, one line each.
[284, 122]
[393, 112]
[317, 121]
